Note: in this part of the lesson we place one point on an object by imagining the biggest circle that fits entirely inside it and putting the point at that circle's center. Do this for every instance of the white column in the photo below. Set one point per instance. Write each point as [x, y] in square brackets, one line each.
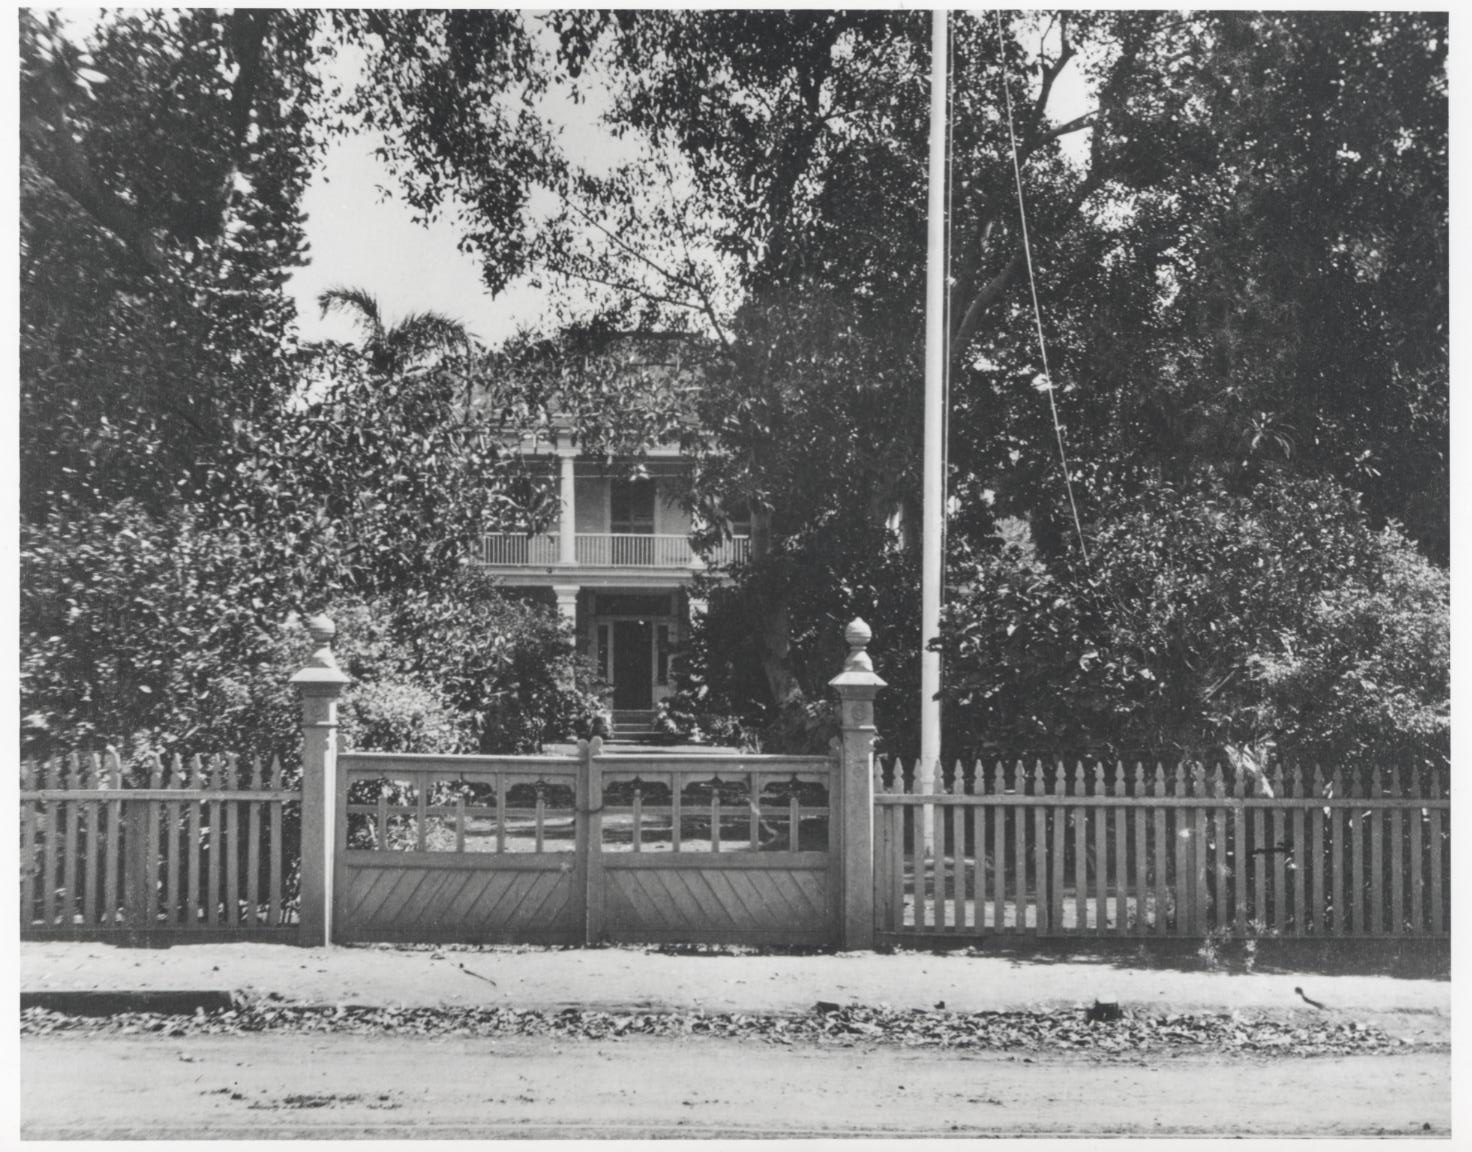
[567, 608]
[567, 543]
[567, 602]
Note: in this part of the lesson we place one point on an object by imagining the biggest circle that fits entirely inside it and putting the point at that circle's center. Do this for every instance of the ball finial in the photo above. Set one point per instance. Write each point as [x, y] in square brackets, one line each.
[322, 629]
[857, 635]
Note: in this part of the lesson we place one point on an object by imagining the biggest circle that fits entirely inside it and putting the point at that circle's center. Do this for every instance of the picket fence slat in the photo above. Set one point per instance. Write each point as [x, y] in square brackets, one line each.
[1376, 878]
[49, 849]
[173, 899]
[276, 912]
[958, 860]
[1004, 849]
[978, 864]
[1438, 920]
[1418, 920]
[1397, 861]
[1019, 847]
[917, 868]
[27, 864]
[1042, 896]
[1339, 825]
[1121, 856]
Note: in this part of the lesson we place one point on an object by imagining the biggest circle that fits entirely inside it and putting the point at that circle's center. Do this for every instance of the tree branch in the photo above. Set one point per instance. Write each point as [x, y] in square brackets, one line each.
[989, 294]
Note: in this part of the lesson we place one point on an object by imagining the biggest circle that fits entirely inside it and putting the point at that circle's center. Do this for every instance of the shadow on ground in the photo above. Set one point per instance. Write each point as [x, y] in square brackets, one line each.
[1407, 960]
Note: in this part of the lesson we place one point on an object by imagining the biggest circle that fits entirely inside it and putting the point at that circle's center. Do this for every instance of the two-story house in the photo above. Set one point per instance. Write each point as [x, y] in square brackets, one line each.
[620, 561]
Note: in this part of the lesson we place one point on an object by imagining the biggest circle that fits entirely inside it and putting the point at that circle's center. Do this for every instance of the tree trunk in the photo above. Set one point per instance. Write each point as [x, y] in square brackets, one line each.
[772, 624]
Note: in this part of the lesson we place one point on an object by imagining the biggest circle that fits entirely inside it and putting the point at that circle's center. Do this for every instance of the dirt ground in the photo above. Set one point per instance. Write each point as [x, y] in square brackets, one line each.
[352, 1086]
[335, 1084]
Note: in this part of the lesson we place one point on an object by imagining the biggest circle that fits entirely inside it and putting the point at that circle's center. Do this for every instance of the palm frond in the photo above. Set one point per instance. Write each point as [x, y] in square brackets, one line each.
[359, 302]
[422, 332]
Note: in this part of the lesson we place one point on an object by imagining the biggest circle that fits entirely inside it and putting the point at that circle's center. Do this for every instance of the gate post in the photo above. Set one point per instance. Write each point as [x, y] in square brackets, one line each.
[320, 683]
[856, 686]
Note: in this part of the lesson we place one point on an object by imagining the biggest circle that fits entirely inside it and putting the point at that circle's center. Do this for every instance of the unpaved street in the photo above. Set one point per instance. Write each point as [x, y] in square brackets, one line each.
[292, 1085]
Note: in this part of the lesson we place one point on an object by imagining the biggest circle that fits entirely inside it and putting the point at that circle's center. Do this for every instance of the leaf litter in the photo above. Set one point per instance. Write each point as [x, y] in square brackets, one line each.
[1062, 1030]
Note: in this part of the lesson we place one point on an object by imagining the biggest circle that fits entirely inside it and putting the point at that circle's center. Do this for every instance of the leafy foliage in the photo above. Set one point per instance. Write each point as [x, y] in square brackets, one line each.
[1277, 619]
[135, 628]
[161, 172]
[1243, 280]
[1232, 266]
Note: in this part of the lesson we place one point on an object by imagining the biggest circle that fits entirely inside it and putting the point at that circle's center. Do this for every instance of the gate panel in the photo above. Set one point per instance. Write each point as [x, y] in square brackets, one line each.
[566, 850]
[468, 849]
[449, 897]
[783, 899]
[714, 849]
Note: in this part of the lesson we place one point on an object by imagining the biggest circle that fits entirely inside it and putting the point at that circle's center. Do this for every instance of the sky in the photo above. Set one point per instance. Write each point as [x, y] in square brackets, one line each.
[360, 236]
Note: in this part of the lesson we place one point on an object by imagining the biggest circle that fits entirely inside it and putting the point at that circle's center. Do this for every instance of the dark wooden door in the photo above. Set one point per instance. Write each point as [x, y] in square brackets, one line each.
[633, 664]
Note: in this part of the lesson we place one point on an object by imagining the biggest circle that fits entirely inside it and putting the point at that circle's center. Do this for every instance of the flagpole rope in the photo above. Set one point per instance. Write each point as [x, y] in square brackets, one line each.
[1033, 286]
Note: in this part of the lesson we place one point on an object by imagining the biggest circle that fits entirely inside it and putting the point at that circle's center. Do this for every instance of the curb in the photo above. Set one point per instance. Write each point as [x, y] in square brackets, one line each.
[97, 1002]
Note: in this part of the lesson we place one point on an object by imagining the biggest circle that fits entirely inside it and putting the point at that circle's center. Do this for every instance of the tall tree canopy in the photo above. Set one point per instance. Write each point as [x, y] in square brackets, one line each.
[1242, 270]
[160, 174]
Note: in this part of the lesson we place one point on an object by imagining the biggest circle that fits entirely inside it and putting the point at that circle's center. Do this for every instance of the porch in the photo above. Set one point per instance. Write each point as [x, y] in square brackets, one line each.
[664, 552]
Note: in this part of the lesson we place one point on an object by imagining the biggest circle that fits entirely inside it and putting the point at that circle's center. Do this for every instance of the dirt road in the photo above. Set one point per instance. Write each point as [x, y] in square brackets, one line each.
[269, 1086]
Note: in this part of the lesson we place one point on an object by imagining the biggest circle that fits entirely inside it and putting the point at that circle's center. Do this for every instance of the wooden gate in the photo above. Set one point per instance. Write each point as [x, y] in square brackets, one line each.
[585, 848]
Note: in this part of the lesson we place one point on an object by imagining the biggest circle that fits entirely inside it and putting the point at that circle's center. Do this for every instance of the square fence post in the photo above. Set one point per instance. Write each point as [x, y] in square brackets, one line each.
[856, 686]
[320, 683]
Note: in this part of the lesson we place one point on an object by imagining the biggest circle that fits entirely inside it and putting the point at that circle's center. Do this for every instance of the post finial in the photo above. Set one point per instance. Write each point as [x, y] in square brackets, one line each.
[322, 629]
[857, 635]
[321, 666]
[858, 669]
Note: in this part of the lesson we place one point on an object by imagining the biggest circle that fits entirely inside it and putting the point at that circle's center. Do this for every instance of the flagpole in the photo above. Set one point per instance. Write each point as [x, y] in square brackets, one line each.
[933, 516]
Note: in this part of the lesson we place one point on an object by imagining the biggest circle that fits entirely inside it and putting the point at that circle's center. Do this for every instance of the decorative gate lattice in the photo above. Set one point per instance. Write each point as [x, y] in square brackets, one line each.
[585, 848]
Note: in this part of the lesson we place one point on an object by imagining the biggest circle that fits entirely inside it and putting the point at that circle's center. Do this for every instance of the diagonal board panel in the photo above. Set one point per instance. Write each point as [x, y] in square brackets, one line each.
[448, 904]
[706, 903]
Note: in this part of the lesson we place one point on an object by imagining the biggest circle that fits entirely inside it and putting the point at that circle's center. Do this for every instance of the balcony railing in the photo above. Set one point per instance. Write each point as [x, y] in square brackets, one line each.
[611, 550]
[518, 550]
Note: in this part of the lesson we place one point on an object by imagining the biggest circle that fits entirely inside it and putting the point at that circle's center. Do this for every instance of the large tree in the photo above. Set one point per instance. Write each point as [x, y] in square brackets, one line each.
[775, 205]
[1251, 190]
[1241, 270]
[161, 169]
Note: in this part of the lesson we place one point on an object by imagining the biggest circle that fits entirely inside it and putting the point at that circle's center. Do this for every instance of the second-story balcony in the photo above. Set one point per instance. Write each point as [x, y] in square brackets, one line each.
[611, 550]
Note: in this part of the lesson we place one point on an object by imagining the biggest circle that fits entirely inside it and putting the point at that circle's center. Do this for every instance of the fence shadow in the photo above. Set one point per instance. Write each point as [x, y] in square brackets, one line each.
[1406, 960]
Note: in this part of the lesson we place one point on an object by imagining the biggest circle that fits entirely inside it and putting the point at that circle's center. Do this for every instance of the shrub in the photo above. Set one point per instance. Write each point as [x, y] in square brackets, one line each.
[1277, 617]
[159, 632]
[393, 716]
[154, 629]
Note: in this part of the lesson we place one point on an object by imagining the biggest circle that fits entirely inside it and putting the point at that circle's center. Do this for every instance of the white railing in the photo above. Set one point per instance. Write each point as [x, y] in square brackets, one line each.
[515, 549]
[612, 550]
[634, 550]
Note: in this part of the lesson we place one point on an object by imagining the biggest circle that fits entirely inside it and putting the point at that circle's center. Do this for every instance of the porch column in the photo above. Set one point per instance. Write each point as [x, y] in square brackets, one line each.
[567, 602]
[320, 683]
[856, 686]
[567, 541]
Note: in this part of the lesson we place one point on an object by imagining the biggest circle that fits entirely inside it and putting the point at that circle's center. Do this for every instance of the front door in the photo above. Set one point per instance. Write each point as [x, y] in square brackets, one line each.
[633, 665]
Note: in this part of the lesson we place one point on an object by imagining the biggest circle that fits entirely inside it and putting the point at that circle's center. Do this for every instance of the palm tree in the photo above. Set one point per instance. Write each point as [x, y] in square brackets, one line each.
[392, 349]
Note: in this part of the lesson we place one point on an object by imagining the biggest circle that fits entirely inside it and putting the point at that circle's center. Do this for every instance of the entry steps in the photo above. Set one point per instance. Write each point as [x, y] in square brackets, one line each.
[634, 726]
